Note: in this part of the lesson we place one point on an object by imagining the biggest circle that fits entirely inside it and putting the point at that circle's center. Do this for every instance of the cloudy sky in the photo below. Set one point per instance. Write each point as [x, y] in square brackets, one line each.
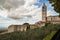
[21, 11]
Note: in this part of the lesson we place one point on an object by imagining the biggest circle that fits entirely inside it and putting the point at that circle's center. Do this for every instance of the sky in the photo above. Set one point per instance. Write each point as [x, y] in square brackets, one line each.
[17, 12]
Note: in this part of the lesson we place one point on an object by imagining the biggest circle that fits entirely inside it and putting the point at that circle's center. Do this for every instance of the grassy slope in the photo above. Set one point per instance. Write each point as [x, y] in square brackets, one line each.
[48, 37]
[45, 32]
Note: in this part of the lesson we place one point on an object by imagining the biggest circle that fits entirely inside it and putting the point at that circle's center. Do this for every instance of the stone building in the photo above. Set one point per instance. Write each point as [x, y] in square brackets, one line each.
[53, 19]
[44, 13]
[26, 26]
[23, 27]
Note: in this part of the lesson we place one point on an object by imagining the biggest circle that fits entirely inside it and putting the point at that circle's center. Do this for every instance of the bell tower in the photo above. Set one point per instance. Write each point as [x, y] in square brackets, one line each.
[44, 13]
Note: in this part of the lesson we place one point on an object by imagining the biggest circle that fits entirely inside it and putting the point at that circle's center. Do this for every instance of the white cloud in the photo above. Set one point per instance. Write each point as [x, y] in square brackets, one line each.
[27, 8]
[3, 13]
[50, 13]
[29, 2]
[8, 4]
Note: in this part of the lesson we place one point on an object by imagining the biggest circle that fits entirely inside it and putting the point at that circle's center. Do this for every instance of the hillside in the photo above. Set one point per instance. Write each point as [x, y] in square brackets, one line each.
[34, 34]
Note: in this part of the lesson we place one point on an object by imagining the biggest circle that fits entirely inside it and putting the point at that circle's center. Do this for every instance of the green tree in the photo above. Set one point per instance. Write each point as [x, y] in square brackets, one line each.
[28, 26]
[56, 5]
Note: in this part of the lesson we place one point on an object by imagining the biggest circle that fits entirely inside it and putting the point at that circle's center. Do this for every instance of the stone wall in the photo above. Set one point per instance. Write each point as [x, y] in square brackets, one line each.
[11, 28]
[53, 18]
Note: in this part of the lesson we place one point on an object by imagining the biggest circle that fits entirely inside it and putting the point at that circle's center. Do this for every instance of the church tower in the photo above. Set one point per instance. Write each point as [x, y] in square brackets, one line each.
[44, 13]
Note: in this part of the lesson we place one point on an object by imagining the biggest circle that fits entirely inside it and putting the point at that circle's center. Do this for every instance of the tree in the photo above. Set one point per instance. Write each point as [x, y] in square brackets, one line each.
[27, 25]
[56, 5]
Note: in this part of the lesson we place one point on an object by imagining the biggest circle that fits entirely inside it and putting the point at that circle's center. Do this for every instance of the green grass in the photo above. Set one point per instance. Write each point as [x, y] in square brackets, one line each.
[48, 37]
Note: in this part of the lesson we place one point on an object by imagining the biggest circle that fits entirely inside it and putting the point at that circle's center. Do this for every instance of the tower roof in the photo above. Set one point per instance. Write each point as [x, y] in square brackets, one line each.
[44, 5]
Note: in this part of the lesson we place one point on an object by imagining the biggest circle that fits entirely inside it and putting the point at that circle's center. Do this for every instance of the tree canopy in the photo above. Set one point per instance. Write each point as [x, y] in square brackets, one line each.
[26, 24]
[56, 5]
